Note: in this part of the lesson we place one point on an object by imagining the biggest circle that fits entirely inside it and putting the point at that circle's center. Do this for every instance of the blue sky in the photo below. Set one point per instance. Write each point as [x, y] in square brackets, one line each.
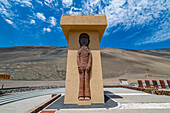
[132, 24]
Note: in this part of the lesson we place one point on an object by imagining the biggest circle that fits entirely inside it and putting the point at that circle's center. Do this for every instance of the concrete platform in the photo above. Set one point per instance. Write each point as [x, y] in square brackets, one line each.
[24, 105]
[125, 100]
[59, 104]
[130, 101]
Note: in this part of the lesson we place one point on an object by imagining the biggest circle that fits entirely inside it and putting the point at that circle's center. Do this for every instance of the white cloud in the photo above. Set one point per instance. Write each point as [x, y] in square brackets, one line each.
[51, 3]
[26, 3]
[48, 2]
[23, 3]
[131, 13]
[9, 21]
[161, 34]
[41, 16]
[121, 14]
[94, 2]
[5, 9]
[59, 28]
[5, 3]
[46, 29]
[67, 3]
[32, 21]
[128, 13]
[52, 21]
[75, 10]
[40, 2]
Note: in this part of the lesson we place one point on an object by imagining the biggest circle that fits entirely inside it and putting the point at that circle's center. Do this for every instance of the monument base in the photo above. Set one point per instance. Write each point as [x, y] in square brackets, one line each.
[59, 104]
[84, 102]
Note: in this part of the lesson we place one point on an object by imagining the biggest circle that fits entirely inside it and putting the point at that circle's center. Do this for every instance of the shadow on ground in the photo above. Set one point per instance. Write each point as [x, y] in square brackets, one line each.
[111, 95]
[109, 103]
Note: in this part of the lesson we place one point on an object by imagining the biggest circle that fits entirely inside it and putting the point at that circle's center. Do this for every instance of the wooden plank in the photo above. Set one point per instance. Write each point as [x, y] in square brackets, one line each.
[43, 105]
[5, 76]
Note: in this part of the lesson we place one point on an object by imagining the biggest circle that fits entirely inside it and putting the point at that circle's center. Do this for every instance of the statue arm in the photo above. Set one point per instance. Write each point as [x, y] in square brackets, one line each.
[79, 62]
[78, 58]
[90, 60]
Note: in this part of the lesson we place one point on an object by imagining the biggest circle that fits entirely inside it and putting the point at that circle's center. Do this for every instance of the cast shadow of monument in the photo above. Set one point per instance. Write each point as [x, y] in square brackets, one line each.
[108, 95]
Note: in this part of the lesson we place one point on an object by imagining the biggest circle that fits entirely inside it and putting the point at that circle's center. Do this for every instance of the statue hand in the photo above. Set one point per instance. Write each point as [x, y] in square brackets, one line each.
[80, 69]
[88, 69]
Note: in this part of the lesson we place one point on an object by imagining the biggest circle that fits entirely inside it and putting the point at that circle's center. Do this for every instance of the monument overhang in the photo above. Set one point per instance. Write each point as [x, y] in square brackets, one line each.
[83, 23]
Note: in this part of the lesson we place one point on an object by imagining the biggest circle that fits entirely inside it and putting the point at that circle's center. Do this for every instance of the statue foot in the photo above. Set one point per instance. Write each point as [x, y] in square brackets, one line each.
[81, 98]
[87, 98]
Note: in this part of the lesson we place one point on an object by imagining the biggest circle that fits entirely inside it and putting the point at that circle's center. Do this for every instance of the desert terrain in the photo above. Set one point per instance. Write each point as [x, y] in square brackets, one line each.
[49, 63]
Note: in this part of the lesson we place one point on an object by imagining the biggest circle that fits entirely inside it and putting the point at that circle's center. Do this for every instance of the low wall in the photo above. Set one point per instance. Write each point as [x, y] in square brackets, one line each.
[151, 91]
[24, 89]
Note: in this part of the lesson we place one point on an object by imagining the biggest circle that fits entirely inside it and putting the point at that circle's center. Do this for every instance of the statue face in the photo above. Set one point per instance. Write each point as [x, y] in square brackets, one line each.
[84, 40]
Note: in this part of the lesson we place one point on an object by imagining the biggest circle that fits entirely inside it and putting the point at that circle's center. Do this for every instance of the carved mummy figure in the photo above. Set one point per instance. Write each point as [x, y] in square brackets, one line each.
[84, 62]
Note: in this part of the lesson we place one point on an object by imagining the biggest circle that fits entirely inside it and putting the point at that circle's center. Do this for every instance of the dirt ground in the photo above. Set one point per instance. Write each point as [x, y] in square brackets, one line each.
[49, 63]
[109, 81]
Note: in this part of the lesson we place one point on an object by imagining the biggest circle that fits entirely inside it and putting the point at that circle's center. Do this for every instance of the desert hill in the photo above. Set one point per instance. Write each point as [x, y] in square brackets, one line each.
[49, 63]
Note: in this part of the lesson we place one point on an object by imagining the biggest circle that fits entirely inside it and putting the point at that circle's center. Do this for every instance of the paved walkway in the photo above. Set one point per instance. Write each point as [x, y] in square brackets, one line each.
[23, 106]
[16, 97]
[130, 101]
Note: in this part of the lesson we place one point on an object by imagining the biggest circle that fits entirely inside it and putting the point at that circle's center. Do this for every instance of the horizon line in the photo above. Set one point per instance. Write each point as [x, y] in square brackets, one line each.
[67, 47]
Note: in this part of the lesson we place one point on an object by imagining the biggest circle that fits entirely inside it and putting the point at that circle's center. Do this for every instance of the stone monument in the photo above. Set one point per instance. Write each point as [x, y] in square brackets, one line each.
[84, 62]
[83, 33]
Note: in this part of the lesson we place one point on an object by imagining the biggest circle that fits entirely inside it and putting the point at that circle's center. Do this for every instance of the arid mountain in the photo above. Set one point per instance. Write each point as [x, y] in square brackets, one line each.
[49, 63]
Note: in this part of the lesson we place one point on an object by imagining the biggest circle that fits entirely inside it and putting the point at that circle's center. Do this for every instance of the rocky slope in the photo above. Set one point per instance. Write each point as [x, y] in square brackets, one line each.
[49, 63]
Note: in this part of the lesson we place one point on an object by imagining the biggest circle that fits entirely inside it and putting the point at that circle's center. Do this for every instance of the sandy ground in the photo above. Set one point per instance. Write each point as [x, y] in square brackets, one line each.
[49, 63]
[11, 83]
[110, 81]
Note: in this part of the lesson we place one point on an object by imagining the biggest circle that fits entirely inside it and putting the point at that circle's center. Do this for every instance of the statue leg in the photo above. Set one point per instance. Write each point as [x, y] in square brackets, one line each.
[87, 84]
[81, 85]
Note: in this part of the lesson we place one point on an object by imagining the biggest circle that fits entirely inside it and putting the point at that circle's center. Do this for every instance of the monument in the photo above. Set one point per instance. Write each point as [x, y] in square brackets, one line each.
[84, 81]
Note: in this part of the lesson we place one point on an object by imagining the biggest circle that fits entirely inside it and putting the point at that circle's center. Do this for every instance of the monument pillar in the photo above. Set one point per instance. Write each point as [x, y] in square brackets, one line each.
[72, 27]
